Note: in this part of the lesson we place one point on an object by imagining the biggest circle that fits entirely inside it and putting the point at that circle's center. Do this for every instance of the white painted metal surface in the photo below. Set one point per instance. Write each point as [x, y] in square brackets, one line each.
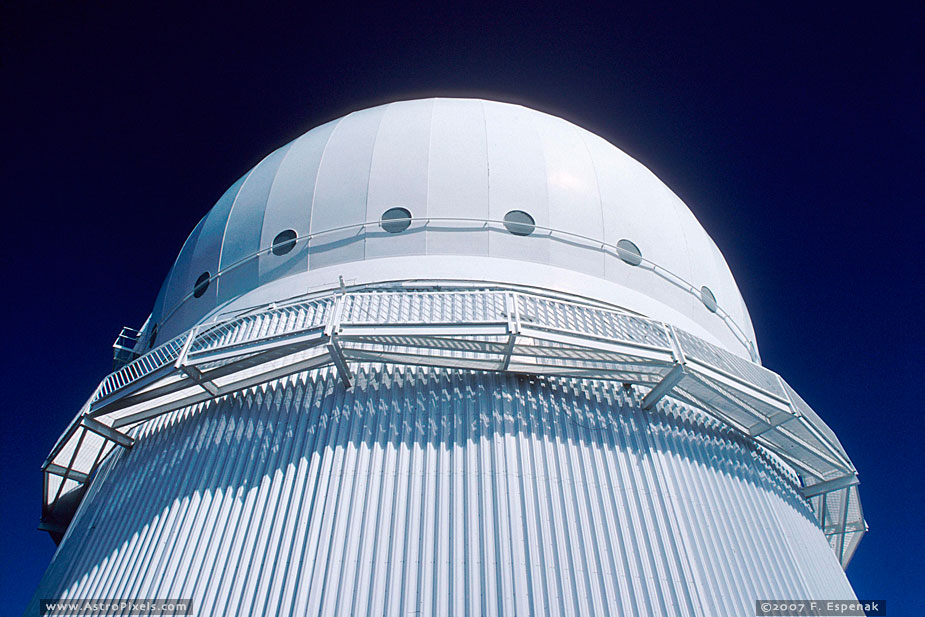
[453, 419]
[455, 164]
[444, 492]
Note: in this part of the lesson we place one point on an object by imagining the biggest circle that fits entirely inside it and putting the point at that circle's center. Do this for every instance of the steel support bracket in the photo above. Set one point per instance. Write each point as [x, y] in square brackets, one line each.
[196, 375]
[513, 329]
[331, 330]
[662, 388]
[108, 432]
[340, 362]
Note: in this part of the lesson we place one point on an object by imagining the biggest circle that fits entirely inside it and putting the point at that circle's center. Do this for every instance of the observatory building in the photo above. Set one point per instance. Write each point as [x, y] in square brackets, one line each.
[448, 357]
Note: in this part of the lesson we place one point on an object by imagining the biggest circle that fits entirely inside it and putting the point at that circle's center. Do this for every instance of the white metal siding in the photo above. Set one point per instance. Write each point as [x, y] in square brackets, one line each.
[440, 492]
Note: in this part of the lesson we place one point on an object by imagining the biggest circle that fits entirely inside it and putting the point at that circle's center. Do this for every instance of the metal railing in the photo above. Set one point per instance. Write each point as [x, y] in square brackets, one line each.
[492, 329]
[417, 224]
[123, 348]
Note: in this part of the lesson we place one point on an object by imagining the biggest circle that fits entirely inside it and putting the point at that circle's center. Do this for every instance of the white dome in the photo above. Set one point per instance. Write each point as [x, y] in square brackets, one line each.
[464, 159]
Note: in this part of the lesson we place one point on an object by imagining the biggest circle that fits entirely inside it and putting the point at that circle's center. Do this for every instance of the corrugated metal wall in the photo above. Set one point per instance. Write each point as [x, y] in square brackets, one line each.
[434, 492]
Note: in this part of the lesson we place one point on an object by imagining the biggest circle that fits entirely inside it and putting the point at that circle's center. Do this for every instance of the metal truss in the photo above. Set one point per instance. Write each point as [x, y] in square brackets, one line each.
[493, 330]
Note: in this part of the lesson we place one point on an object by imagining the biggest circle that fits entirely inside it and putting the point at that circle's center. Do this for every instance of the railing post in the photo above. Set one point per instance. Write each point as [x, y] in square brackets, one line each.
[184, 351]
[331, 329]
[513, 328]
[673, 377]
[191, 371]
[676, 350]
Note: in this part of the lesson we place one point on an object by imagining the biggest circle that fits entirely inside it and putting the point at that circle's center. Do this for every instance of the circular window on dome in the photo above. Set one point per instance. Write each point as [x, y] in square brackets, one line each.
[395, 220]
[153, 338]
[519, 223]
[202, 284]
[708, 299]
[284, 242]
[629, 252]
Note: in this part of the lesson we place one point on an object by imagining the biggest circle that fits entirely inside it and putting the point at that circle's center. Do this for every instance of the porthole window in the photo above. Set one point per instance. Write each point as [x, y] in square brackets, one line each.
[395, 220]
[708, 299]
[284, 242]
[519, 223]
[629, 252]
[153, 338]
[202, 284]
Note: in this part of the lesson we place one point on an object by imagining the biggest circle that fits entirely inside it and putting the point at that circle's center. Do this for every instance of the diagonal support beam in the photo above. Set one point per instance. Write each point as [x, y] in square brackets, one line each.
[508, 352]
[513, 329]
[662, 388]
[68, 470]
[331, 330]
[108, 432]
[191, 371]
[196, 375]
[337, 356]
[842, 526]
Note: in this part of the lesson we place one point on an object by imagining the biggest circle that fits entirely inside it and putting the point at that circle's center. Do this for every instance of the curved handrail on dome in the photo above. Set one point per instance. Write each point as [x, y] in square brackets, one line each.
[498, 329]
[551, 233]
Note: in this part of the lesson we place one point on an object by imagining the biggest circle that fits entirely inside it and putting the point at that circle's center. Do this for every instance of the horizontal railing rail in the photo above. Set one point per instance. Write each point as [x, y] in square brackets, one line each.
[417, 224]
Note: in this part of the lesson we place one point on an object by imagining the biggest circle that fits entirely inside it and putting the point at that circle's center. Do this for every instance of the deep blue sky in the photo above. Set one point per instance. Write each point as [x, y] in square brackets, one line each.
[794, 134]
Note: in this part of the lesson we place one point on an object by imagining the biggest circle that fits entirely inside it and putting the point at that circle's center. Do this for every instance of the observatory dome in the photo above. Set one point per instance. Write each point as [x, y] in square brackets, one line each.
[454, 190]
[448, 357]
